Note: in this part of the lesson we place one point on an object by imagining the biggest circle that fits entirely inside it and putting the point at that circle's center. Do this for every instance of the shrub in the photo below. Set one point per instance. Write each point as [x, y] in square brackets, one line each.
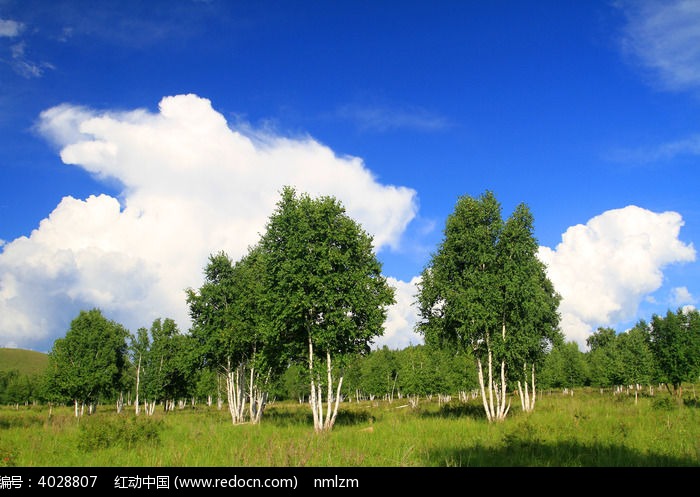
[102, 433]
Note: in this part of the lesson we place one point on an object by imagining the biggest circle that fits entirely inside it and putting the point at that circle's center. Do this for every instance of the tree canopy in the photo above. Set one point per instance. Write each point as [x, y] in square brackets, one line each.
[324, 285]
[485, 290]
[89, 360]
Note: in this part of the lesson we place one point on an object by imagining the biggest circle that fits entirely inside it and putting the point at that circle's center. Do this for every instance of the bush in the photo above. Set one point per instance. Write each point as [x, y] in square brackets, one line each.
[102, 433]
[664, 403]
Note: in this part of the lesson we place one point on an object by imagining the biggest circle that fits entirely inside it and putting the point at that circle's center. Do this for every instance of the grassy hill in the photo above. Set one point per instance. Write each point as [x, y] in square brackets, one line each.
[25, 361]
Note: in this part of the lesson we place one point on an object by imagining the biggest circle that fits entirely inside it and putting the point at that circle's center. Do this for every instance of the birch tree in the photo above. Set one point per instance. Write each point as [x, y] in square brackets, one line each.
[636, 356]
[88, 362]
[485, 291]
[675, 344]
[230, 326]
[529, 303]
[326, 292]
[139, 347]
[602, 359]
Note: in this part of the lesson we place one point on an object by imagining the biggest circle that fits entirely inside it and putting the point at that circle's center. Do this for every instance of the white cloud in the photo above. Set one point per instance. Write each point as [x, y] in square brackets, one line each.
[681, 296]
[605, 268]
[25, 67]
[9, 28]
[665, 37]
[192, 186]
[401, 317]
[661, 152]
[381, 118]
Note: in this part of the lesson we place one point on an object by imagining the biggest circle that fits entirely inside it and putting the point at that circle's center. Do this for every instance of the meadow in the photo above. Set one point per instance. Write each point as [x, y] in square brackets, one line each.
[587, 429]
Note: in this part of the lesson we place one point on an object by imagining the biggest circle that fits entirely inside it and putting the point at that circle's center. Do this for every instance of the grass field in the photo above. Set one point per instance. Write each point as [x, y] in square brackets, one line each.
[26, 362]
[588, 429]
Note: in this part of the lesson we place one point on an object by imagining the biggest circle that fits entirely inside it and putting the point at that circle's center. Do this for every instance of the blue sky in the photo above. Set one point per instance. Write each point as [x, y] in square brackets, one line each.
[137, 138]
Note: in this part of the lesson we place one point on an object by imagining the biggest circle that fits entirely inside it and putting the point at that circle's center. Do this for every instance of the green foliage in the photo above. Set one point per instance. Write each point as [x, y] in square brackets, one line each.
[602, 359]
[231, 328]
[21, 376]
[601, 339]
[486, 292]
[564, 367]
[664, 404]
[166, 368]
[377, 373]
[229, 321]
[621, 359]
[20, 388]
[89, 361]
[322, 280]
[636, 357]
[292, 384]
[426, 370]
[675, 344]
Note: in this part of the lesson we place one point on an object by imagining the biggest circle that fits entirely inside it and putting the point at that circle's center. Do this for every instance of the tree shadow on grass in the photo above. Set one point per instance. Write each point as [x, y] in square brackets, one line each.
[286, 417]
[354, 417]
[519, 452]
[456, 410]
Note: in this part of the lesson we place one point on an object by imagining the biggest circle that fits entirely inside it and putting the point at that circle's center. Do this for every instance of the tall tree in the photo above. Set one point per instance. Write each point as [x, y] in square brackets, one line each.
[139, 346]
[89, 360]
[564, 367]
[230, 323]
[603, 359]
[530, 304]
[164, 369]
[636, 356]
[325, 289]
[378, 373]
[675, 343]
[484, 290]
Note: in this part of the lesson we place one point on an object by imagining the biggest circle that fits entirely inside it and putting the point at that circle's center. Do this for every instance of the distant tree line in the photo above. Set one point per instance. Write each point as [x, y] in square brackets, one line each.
[296, 316]
[664, 351]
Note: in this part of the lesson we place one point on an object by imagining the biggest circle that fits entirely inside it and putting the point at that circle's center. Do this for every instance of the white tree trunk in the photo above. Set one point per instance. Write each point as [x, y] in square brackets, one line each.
[138, 382]
[480, 371]
[235, 385]
[313, 398]
[219, 400]
[322, 423]
[330, 419]
[493, 395]
[258, 396]
[527, 402]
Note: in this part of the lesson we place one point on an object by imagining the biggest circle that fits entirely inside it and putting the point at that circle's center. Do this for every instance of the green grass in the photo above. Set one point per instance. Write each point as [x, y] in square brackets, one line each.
[587, 430]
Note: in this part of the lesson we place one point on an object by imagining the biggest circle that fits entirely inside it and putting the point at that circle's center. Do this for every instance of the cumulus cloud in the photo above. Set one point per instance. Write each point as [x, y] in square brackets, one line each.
[401, 317]
[665, 38]
[605, 268]
[192, 185]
